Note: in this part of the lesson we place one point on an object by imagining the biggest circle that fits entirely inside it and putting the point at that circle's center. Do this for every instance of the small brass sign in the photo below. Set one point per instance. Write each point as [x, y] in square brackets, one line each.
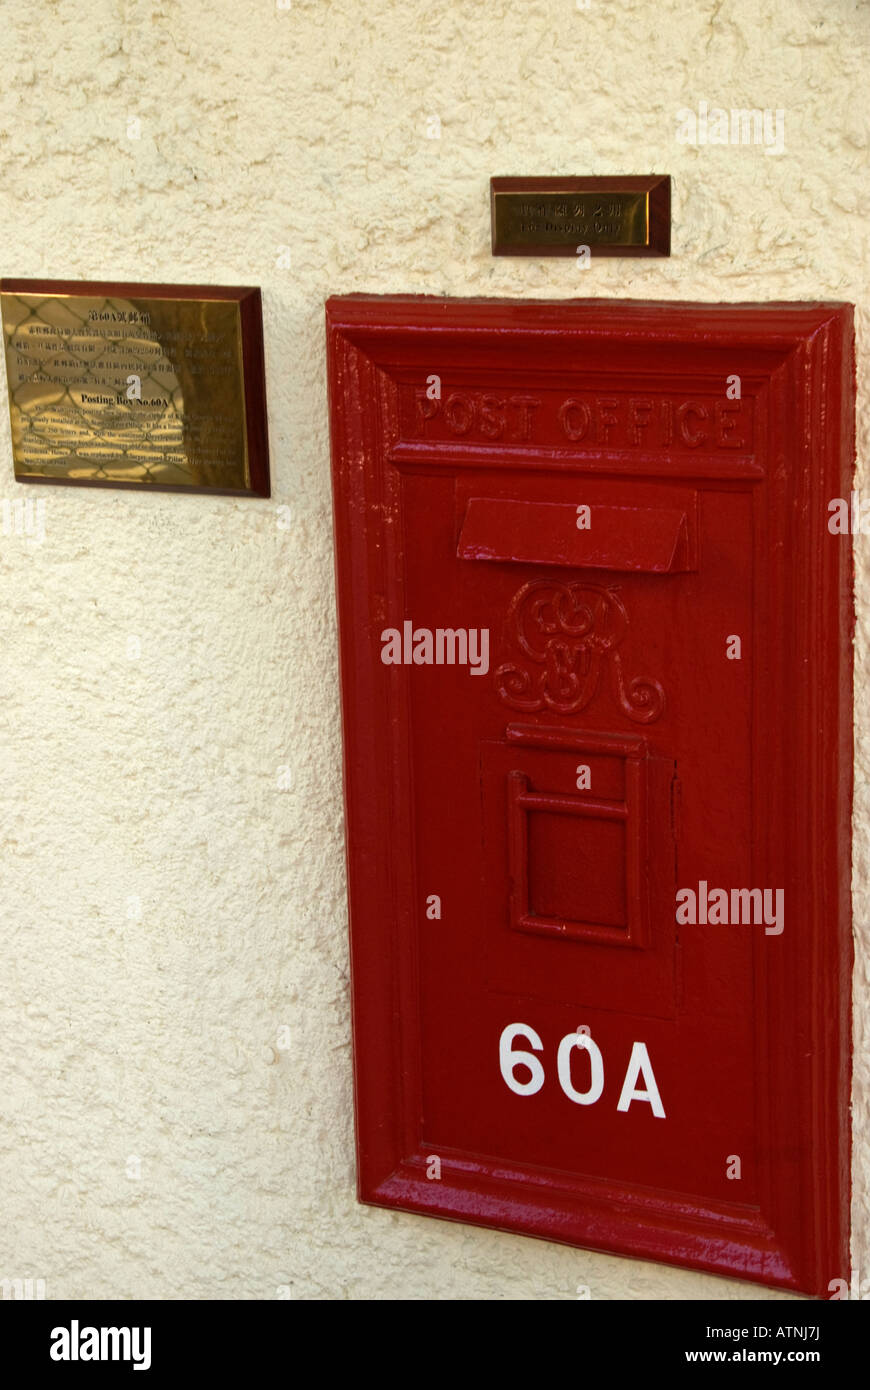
[149, 386]
[555, 217]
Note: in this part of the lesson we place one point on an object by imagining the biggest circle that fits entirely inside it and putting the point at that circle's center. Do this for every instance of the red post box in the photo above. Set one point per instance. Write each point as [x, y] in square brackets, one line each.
[595, 638]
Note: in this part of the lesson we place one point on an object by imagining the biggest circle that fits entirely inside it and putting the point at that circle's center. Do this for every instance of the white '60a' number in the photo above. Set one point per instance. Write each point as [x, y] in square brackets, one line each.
[639, 1066]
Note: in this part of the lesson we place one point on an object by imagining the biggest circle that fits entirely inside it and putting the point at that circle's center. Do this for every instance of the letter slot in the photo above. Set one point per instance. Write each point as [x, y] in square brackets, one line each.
[652, 540]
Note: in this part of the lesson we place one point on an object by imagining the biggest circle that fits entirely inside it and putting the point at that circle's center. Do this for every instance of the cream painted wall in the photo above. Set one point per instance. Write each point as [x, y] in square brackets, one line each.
[151, 1030]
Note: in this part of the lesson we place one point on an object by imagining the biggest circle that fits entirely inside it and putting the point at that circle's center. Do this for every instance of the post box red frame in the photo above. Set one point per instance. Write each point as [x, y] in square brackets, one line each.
[796, 361]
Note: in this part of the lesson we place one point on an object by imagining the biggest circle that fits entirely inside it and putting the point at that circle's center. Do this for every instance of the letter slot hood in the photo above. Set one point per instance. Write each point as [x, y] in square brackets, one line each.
[651, 540]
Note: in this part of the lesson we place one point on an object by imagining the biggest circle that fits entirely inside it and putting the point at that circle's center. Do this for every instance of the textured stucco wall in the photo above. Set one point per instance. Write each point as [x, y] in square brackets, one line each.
[173, 952]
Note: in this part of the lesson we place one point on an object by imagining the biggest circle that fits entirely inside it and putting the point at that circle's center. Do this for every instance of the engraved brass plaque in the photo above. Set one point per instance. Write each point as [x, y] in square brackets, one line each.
[558, 216]
[117, 385]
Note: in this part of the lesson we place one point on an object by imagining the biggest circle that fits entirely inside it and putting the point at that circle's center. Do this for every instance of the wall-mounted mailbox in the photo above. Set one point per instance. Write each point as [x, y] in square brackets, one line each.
[596, 680]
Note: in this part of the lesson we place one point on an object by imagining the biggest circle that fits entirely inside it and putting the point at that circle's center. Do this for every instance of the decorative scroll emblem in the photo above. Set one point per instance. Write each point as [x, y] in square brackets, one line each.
[568, 632]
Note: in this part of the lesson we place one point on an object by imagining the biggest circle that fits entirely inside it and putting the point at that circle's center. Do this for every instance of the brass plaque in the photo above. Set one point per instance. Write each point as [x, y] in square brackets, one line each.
[116, 385]
[557, 216]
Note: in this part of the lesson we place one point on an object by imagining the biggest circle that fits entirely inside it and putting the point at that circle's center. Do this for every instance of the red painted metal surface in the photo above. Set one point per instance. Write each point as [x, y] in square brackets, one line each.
[553, 523]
